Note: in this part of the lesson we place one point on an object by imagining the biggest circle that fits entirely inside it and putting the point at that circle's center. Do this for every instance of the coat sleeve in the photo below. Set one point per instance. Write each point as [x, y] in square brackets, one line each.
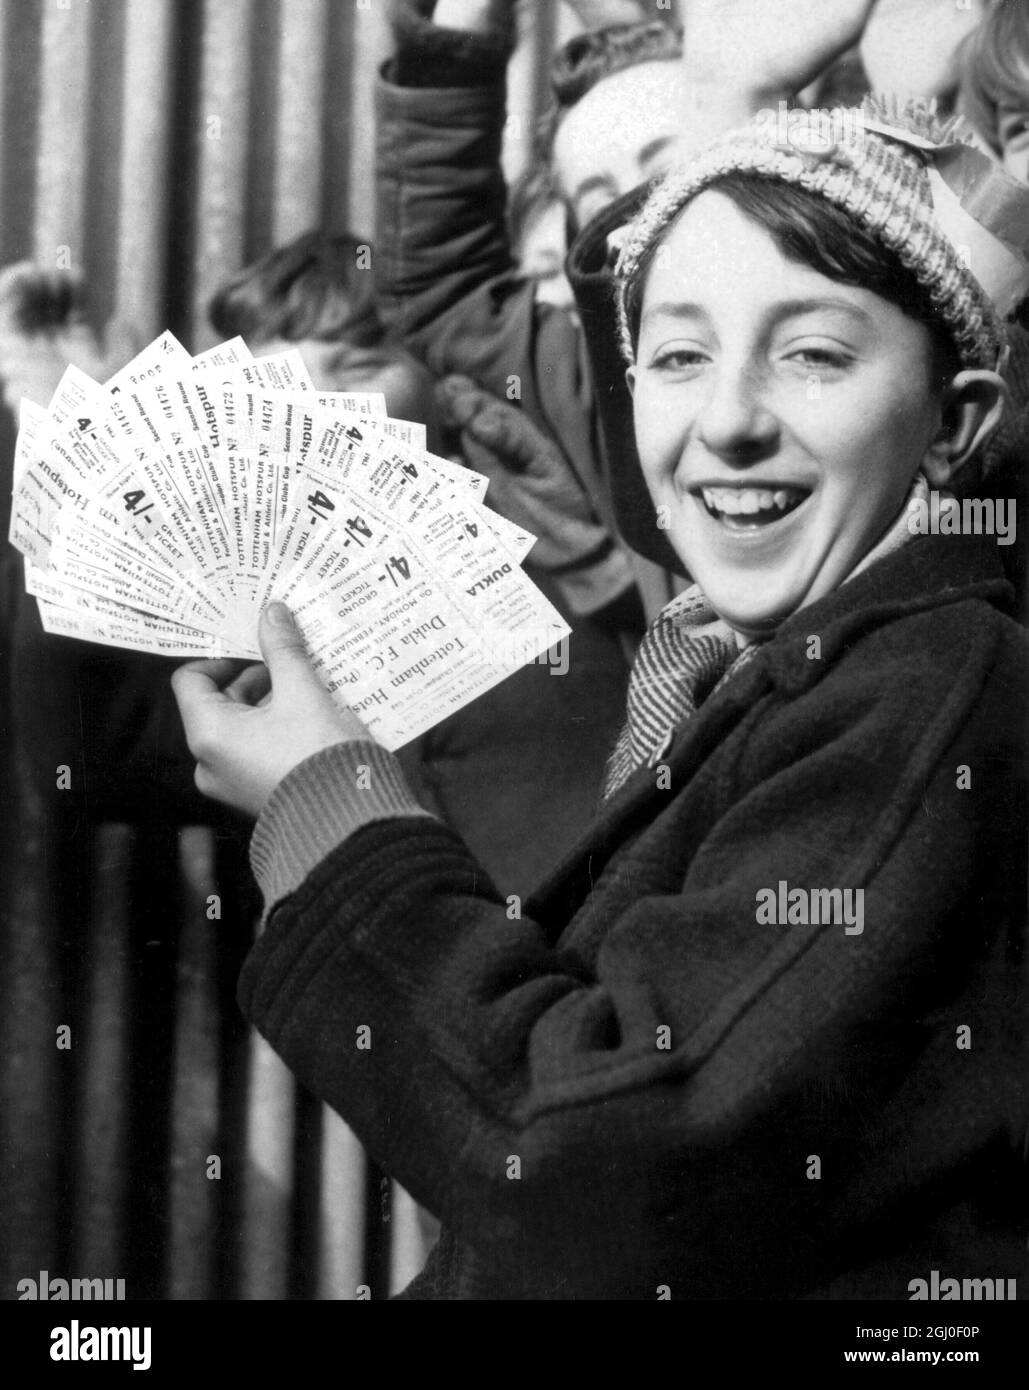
[634, 1098]
[446, 278]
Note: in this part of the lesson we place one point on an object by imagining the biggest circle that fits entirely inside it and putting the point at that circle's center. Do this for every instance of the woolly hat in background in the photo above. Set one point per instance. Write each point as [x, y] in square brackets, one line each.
[914, 183]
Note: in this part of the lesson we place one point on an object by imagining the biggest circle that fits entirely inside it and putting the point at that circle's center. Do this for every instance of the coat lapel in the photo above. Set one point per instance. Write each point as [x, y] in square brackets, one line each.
[636, 802]
[930, 572]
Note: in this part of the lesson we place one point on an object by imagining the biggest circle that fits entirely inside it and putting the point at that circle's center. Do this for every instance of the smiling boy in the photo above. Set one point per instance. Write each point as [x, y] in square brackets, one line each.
[772, 411]
[635, 1084]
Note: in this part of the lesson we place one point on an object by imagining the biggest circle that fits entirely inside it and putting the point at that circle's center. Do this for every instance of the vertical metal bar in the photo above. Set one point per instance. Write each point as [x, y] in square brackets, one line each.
[223, 137]
[372, 41]
[20, 42]
[194, 1187]
[299, 133]
[409, 1243]
[31, 1092]
[63, 131]
[102, 1159]
[143, 175]
[268, 1181]
[527, 84]
[156, 913]
[342, 1210]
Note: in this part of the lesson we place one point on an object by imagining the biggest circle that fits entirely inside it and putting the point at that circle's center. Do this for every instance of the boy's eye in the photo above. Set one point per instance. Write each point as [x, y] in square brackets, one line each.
[825, 358]
[679, 359]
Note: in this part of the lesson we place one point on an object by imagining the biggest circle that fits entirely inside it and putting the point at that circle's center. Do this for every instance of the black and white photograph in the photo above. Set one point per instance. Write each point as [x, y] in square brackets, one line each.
[514, 671]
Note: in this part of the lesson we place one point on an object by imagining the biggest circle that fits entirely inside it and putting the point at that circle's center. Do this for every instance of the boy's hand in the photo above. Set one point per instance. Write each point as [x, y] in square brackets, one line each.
[248, 729]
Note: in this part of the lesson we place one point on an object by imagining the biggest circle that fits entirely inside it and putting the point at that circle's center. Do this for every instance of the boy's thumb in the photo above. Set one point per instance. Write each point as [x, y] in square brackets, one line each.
[282, 645]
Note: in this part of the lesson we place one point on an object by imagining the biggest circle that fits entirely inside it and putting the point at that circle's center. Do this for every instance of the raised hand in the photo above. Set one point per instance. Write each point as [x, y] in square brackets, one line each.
[769, 46]
[248, 728]
[530, 482]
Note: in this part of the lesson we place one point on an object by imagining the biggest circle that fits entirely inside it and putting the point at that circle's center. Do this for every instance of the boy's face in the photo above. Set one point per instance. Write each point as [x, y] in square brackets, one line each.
[339, 366]
[780, 416]
[617, 136]
[1013, 133]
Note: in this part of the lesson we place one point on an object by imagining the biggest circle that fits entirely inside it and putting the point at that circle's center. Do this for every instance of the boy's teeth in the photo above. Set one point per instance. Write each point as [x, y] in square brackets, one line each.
[747, 501]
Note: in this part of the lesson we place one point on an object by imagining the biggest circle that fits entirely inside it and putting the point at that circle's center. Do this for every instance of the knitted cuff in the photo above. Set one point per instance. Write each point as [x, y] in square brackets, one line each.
[429, 55]
[318, 805]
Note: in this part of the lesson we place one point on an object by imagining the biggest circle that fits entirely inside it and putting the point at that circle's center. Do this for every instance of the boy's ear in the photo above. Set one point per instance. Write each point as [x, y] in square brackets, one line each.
[630, 379]
[972, 407]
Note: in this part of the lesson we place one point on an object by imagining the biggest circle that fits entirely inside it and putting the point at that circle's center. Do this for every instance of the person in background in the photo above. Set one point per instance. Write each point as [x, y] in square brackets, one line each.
[316, 294]
[537, 222]
[446, 270]
[995, 83]
[911, 48]
[994, 95]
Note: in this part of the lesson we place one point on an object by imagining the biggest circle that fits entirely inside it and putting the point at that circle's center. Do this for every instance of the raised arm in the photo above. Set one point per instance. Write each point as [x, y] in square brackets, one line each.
[740, 56]
[441, 194]
[446, 277]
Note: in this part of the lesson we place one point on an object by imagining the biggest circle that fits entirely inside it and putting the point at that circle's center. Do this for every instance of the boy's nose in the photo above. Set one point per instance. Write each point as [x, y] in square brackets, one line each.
[735, 421]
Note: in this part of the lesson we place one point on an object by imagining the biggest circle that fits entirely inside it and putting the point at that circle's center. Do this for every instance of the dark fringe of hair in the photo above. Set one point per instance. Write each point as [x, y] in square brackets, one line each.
[311, 288]
[813, 232]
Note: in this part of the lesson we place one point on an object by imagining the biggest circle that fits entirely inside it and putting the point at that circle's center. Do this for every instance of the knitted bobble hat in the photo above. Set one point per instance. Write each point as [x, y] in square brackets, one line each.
[915, 183]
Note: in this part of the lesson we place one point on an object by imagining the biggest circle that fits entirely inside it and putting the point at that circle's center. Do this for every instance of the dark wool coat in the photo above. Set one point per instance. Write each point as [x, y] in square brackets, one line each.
[625, 1083]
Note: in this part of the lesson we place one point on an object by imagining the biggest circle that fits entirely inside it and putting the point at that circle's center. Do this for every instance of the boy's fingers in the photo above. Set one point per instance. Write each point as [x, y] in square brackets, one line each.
[198, 680]
[282, 646]
[251, 686]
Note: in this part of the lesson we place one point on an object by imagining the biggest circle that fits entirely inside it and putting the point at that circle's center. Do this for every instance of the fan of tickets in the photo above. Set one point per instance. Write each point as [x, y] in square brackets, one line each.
[164, 509]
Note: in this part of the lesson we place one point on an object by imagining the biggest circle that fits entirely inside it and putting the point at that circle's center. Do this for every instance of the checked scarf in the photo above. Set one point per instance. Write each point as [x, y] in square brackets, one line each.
[685, 655]
[689, 652]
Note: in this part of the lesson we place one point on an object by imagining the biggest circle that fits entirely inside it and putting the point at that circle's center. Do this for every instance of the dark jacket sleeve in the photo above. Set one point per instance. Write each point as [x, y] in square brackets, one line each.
[445, 275]
[633, 1097]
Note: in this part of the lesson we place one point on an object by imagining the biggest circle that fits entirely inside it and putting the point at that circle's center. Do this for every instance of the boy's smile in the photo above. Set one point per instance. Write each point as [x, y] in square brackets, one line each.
[780, 416]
